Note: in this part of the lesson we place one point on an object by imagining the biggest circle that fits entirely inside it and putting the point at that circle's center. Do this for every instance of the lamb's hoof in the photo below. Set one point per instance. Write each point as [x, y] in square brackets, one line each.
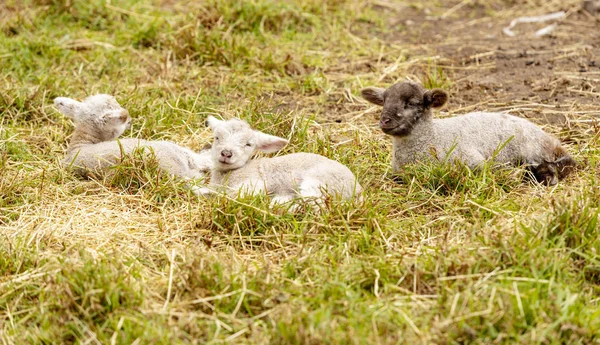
[546, 173]
[397, 178]
[201, 191]
[551, 180]
[565, 165]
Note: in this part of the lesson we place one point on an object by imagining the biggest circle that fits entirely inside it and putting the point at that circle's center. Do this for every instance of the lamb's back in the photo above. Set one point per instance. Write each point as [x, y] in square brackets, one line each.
[299, 167]
[171, 157]
[101, 155]
[478, 136]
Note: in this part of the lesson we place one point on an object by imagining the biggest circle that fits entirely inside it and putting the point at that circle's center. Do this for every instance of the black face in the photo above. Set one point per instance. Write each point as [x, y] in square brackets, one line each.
[402, 108]
[404, 105]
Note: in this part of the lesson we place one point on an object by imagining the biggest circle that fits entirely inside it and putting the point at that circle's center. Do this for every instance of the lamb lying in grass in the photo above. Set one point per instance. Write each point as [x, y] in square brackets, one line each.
[285, 178]
[473, 138]
[99, 120]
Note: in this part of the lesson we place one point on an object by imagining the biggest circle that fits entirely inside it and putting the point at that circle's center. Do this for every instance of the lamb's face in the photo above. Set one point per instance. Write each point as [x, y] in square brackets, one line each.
[101, 113]
[404, 104]
[235, 141]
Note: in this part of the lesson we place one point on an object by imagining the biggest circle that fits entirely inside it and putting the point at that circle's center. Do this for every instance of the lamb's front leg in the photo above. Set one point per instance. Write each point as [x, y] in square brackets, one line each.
[249, 187]
[201, 191]
[280, 199]
[311, 192]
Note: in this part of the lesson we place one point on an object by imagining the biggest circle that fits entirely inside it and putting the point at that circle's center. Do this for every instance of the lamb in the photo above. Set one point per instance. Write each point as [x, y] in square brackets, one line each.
[99, 120]
[285, 178]
[473, 138]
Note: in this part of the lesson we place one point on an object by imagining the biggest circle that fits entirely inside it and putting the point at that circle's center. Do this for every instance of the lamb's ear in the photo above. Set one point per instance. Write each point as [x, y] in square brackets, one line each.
[373, 94]
[435, 98]
[67, 106]
[213, 122]
[117, 116]
[269, 143]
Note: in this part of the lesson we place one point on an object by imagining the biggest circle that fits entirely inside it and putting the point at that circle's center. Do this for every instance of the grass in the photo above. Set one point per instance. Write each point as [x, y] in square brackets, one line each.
[438, 254]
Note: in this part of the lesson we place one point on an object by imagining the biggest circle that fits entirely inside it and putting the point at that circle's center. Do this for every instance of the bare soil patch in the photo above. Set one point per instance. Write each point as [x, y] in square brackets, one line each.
[554, 78]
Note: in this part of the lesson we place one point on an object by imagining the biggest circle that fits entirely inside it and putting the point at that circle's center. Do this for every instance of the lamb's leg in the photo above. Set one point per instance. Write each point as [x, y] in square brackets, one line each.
[473, 159]
[565, 165]
[192, 178]
[281, 199]
[545, 173]
[312, 190]
[250, 187]
[201, 191]
[549, 173]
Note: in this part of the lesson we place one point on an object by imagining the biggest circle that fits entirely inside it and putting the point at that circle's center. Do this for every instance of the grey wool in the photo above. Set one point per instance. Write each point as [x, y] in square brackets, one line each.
[472, 138]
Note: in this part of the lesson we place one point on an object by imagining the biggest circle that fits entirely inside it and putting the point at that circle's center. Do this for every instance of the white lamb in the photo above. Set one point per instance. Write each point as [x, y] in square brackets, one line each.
[473, 138]
[99, 120]
[298, 175]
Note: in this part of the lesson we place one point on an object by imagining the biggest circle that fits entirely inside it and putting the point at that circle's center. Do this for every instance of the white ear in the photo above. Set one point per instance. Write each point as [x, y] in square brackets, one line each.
[269, 143]
[67, 106]
[213, 122]
[117, 116]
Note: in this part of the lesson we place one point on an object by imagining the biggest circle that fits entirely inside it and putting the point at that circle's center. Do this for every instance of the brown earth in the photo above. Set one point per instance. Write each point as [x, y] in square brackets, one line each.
[490, 68]
[554, 79]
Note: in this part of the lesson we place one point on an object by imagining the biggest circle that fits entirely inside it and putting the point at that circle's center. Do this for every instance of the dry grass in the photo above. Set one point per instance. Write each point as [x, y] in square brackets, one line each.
[438, 255]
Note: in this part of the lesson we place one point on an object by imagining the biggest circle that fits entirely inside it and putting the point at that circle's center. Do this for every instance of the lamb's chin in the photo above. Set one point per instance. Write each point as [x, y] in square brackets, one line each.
[398, 131]
[226, 166]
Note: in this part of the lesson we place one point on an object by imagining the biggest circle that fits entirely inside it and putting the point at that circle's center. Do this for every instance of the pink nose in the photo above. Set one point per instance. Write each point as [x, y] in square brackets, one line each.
[226, 153]
[384, 122]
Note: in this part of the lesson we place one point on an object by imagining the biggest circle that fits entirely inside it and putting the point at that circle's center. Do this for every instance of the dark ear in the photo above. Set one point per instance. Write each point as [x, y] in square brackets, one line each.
[373, 94]
[435, 98]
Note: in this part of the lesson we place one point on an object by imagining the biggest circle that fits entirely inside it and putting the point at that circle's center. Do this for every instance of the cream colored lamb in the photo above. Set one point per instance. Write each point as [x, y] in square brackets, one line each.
[99, 121]
[284, 178]
[473, 138]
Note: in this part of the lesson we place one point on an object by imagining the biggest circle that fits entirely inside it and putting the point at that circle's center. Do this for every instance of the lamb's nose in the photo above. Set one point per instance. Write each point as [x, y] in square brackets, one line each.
[384, 122]
[226, 153]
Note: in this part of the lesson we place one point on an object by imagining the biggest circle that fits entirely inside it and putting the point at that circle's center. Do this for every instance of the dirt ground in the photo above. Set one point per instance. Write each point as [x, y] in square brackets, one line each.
[434, 254]
[554, 79]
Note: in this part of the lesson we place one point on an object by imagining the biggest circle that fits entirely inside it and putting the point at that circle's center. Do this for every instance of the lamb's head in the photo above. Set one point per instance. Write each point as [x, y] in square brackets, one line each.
[101, 114]
[235, 142]
[404, 105]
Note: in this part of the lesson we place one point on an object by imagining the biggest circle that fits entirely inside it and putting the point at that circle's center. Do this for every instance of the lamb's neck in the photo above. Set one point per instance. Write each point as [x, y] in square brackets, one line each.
[218, 176]
[407, 148]
[82, 137]
[422, 129]
[252, 168]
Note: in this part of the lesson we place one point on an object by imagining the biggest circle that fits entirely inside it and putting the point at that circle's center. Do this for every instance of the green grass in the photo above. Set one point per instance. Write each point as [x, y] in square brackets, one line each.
[438, 254]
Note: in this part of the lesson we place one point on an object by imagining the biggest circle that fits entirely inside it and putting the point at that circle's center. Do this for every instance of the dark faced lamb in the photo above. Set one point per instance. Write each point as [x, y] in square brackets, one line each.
[472, 138]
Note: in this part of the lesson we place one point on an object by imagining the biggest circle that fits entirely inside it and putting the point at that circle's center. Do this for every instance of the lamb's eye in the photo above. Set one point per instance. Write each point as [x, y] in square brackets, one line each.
[248, 144]
[216, 138]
